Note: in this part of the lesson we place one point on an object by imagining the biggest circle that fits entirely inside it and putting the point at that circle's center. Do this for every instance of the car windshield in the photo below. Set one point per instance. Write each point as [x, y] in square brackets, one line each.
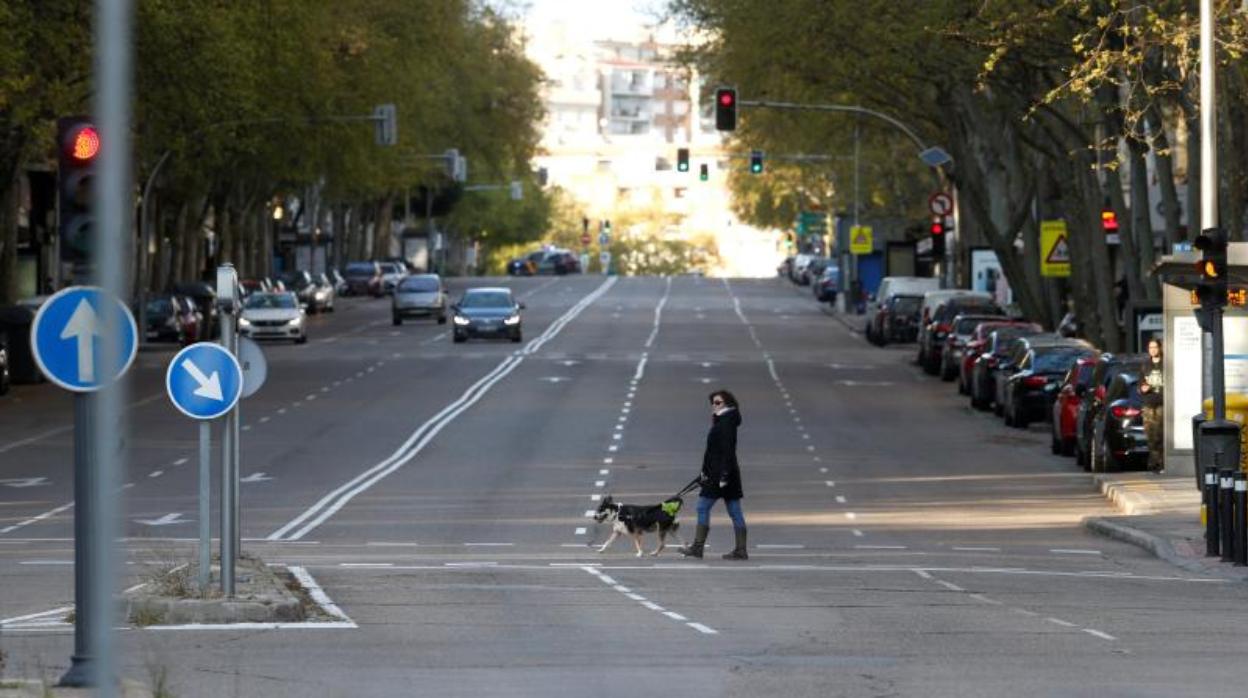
[361, 270]
[1006, 337]
[967, 325]
[486, 299]
[295, 281]
[270, 300]
[419, 284]
[1057, 359]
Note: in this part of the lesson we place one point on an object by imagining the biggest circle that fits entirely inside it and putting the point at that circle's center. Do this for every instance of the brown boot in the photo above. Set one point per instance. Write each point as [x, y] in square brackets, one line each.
[694, 549]
[738, 553]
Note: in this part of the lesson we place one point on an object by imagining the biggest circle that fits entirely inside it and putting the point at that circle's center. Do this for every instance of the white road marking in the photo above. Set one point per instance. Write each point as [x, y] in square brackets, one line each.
[1074, 551]
[1059, 621]
[636, 597]
[385, 544]
[1098, 633]
[336, 499]
[46, 562]
[658, 313]
[489, 545]
[264, 419]
[1025, 612]
[653, 606]
[180, 461]
[880, 547]
[950, 585]
[600, 483]
[924, 574]
[703, 629]
[850, 515]
[589, 513]
[857, 533]
[675, 616]
[580, 531]
[840, 499]
[367, 564]
[985, 599]
[595, 498]
[246, 427]
[604, 471]
[810, 448]
[607, 580]
[156, 473]
[779, 546]
[641, 368]
[613, 448]
[969, 549]
[36, 519]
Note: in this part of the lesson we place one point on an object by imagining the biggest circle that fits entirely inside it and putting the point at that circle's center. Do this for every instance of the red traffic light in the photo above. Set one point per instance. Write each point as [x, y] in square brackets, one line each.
[727, 98]
[725, 109]
[938, 226]
[82, 144]
[1109, 221]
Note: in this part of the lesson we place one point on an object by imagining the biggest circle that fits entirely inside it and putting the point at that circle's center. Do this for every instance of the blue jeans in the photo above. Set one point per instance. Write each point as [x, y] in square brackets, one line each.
[734, 511]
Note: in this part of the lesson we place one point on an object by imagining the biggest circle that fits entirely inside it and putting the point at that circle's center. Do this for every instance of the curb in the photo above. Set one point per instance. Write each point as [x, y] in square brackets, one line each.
[1158, 546]
[1121, 496]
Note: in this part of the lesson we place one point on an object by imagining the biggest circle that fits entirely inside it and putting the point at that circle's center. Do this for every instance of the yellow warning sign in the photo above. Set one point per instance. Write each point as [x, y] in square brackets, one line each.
[1054, 249]
[860, 241]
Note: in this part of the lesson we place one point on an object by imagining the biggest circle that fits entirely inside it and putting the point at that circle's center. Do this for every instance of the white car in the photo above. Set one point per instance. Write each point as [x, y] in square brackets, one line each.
[273, 316]
[391, 274]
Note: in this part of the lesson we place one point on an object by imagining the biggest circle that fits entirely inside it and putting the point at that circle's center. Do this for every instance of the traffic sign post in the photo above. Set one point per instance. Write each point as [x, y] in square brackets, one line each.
[204, 381]
[84, 339]
[228, 300]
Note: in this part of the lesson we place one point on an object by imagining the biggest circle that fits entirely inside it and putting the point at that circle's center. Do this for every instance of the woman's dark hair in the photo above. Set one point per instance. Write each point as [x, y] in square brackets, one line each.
[729, 399]
[1152, 340]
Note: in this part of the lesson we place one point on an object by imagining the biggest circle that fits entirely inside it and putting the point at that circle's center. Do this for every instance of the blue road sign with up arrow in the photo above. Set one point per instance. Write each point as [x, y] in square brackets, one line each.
[71, 335]
[204, 381]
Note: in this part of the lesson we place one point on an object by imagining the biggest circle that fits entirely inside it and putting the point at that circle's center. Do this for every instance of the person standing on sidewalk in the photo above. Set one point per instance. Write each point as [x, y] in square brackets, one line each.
[721, 476]
[1152, 394]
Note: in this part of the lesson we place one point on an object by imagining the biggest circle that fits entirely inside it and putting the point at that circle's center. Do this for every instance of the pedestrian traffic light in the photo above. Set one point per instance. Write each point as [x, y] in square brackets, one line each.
[1109, 221]
[726, 109]
[704, 172]
[78, 145]
[682, 159]
[756, 162]
[938, 236]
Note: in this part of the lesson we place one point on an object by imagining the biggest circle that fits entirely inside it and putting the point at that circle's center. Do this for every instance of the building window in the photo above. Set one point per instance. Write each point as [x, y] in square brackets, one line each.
[604, 165]
[662, 164]
[679, 192]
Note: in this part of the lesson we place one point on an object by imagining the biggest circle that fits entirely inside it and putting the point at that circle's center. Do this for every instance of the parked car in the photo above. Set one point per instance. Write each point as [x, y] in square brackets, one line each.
[300, 283]
[487, 312]
[559, 262]
[273, 316]
[364, 278]
[1040, 363]
[250, 286]
[164, 320]
[1066, 406]
[15, 323]
[391, 274]
[961, 330]
[936, 318]
[984, 372]
[798, 269]
[5, 379]
[825, 287]
[526, 265]
[979, 342]
[339, 281]
[1118, 438]
[814, 268]
[205, 297]
[785, 266]
[896, 320]
[419, 295]
[1092, 399]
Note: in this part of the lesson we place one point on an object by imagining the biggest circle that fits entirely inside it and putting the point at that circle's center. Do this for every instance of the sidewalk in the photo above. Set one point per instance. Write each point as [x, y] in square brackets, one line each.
[1162, 515]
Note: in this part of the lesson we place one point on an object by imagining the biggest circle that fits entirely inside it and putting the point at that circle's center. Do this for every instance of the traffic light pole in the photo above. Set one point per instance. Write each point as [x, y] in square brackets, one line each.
[1209, 191]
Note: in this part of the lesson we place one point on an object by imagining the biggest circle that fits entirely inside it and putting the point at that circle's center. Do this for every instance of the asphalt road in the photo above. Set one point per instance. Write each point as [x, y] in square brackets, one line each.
[900, 544]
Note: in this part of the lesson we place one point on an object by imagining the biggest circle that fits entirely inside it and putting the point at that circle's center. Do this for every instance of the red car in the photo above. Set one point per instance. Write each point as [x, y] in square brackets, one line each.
[1066, 406]
[975, 346]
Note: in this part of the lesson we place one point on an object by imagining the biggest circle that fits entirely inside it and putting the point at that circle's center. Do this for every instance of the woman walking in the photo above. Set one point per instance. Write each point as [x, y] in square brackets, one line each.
[721, 476]
[1153, 395]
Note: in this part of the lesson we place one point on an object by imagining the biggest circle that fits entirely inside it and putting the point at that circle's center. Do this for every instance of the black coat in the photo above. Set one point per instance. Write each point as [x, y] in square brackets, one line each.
[719, 463]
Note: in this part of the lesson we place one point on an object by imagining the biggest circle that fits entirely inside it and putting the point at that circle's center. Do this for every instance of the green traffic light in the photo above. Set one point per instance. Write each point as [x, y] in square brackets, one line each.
[704, 173]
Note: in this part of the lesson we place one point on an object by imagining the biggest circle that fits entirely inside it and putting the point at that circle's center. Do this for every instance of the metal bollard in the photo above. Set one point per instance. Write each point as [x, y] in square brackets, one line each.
[1241, 519]
[1226, 510]
[1212, 535]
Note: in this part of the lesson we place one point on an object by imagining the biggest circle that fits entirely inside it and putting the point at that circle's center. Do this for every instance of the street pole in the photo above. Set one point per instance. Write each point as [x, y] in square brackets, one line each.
[205, 509]
[100, 423]
[227, 283]
[853, 259]
[1209, 189]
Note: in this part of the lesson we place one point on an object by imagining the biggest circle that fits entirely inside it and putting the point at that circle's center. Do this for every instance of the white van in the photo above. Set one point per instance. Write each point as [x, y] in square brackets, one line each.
[894, 285]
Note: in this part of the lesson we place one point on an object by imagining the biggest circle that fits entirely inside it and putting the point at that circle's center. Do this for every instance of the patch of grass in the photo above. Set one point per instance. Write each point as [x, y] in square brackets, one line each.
[143, 617]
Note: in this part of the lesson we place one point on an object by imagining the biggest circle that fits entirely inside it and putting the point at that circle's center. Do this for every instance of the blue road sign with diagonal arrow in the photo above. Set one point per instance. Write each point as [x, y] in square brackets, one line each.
[204, 381]
[71, 333]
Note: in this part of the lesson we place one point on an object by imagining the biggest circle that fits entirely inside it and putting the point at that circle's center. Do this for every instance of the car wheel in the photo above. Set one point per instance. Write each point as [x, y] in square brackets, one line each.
[1055, 446]
[947, 372]
[442, 319]
[1068, 447]
[396, 320]
[1007, 415]
[1094, 460]
[4, 372]
[516, 338]
[458, 338]
[302, 339]
[1111, 462]
[1020, 419]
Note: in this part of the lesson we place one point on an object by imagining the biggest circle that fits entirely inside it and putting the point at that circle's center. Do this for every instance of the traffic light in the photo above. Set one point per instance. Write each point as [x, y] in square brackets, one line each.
[1109, 221]
[682, 159]
[938, 236]
[725, 109]
[756, 162]
[704, 172]
[78, 147]
[1212, 289]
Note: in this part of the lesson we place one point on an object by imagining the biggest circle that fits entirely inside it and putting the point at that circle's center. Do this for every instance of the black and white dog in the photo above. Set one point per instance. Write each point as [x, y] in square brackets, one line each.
[637, 520]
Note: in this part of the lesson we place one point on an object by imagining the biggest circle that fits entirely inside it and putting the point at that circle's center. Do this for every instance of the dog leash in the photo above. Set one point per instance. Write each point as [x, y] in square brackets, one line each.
[693, 484]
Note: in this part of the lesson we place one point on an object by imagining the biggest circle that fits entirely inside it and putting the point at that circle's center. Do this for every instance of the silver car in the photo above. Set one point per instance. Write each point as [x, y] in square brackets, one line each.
[418, 296]
[273, 316]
